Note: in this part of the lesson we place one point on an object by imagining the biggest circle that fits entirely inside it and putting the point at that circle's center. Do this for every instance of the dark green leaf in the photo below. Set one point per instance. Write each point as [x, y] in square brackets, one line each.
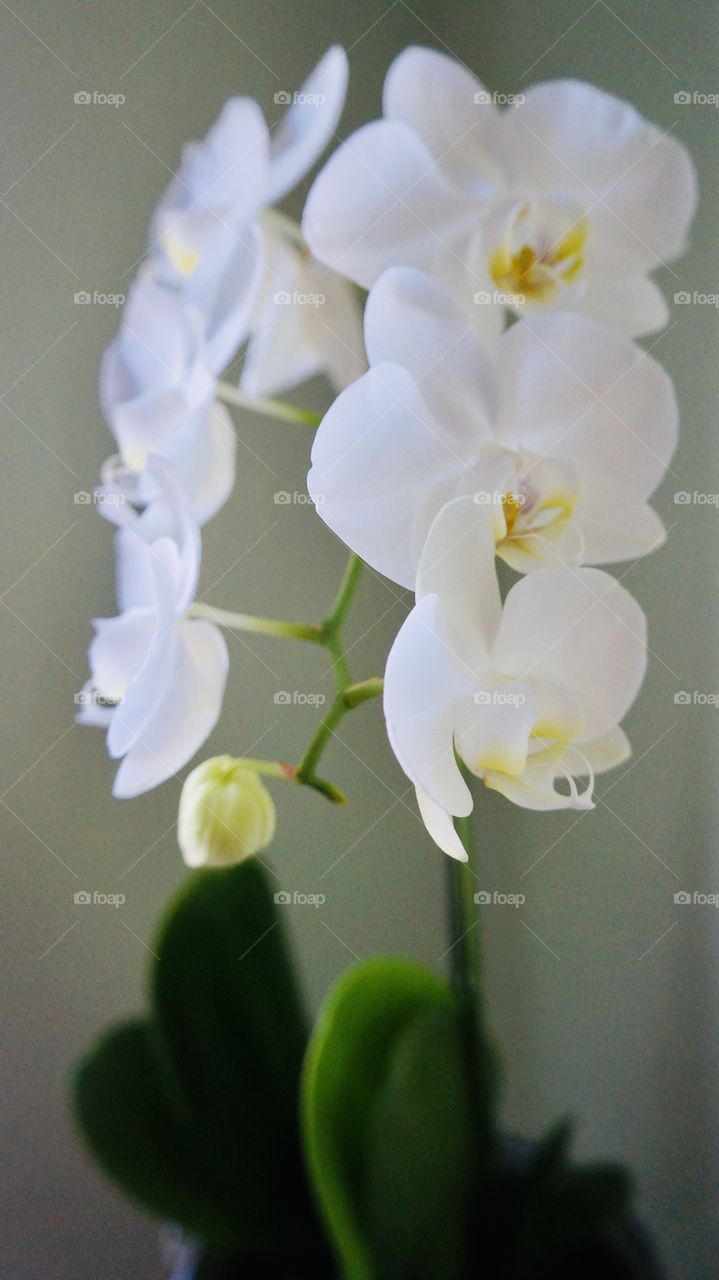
[128, 1123]
[230, 1037]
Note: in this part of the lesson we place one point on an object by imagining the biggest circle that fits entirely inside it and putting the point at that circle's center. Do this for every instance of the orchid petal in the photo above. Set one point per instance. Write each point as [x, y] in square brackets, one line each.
[309, 124]
[185, 713]
[423, 691]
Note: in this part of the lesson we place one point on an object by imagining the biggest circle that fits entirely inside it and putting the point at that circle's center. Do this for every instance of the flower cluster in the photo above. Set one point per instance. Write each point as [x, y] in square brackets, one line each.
[503, 411]
[220, 265]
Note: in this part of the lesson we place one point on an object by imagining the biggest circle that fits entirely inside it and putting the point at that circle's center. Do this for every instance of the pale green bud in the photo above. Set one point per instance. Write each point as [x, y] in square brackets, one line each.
[226, 814]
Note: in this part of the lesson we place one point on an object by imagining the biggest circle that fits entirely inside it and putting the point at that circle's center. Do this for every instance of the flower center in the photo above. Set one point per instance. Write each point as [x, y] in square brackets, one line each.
[537, 510]
[539, 256]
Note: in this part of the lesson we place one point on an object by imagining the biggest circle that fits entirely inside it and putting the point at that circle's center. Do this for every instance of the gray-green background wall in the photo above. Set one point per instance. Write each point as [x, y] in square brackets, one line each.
[602, 990]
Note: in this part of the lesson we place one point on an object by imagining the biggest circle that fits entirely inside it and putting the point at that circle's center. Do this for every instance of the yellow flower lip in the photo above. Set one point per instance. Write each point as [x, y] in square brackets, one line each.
[182, 256]
[535, 272]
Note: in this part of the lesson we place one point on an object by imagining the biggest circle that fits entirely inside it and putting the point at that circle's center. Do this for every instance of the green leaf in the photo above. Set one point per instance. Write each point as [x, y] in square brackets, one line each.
[195, 1111]
[230, 1037]
[422, 1153]
[348, 1065]
[127, 1121]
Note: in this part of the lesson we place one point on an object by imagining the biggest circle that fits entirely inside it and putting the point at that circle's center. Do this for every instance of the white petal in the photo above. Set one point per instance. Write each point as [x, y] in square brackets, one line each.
[493, 729]
[575, 388]
[381, 469]
[134, 579]
[221, 186]
[281, 352]
[380, 201]
[309, 124]
[119, 650]
[601, 753]
[424, 689]
[571, 136]
[580, 630]
[412, 321]
[457, 564]
[440, 826]
[614, 522]
[535, 788]
[186, 713]
[310, 322]
[630, 303]
[204, 456]
[168, 516]
[450, 110]
[229, 307]
[338, 327]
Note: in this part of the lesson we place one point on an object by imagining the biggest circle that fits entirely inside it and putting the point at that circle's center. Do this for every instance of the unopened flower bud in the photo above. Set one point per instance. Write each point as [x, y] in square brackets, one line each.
[226, 814]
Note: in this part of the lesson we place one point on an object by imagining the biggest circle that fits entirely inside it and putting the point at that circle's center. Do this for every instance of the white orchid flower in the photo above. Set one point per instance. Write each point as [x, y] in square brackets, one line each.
[527, 695]
[307, 321]
[157, 677]
[157, 389]
[568, 198]
[565, 432]
[210, 240]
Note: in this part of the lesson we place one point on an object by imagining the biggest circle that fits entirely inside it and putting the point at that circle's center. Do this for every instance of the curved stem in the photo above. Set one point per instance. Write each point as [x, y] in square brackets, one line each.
[264, 626]
[327, 634]
[288, 772]
[351, 696]
[345, 595]
[270, 408]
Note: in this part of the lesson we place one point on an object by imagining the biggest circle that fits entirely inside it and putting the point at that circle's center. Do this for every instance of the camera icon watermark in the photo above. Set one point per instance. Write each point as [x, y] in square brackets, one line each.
[484, 98]
[84, 298]
[696, 899]
[696, 98]
[495, 498]
[297, 698]
[85, 98]
[494, 898]
[85, 899]
[284, 898]
[296, 498]
[499, 698]
[85, 498]
[490, 297]
[698, 698]
[683, 498]
[298, 299]
[284, 98]
[93, 698]
[695, 298]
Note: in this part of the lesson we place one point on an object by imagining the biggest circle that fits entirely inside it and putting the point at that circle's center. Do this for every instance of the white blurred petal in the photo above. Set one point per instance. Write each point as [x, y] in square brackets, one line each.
[309, 124]
[185, 713]
[452, 113]
[380, 201]
[412, 321]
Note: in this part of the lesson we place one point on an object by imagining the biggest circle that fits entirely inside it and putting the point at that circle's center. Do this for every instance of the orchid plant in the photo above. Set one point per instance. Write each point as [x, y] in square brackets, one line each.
[491, 404]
